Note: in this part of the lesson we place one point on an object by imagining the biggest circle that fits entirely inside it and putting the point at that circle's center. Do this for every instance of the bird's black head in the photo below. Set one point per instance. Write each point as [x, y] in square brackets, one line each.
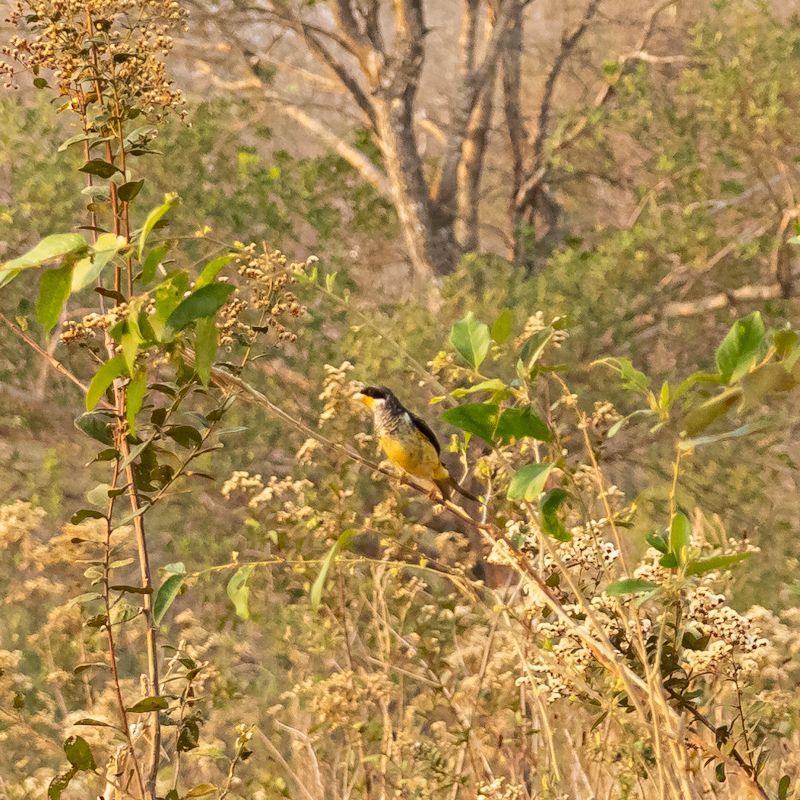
[369, 395]
[376, 392]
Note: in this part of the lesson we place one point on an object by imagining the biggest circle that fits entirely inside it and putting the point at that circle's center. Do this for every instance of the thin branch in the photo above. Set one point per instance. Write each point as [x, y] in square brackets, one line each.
[51, 359]
[715, 302]
[568, 44]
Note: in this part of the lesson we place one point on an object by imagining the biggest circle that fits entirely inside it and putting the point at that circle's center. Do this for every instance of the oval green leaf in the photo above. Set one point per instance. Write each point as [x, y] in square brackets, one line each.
[471, 339]
[529, 482]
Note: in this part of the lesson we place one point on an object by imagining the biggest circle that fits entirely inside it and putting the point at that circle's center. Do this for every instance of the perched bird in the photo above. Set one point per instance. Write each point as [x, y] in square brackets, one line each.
[407, 440]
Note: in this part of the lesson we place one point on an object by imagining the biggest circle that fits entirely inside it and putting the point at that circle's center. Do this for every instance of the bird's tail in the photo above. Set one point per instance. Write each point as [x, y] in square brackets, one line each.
[444, 480]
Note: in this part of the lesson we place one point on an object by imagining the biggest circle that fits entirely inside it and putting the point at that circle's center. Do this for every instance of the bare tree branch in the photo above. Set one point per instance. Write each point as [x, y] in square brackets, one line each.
[568, 44]
[714, 302]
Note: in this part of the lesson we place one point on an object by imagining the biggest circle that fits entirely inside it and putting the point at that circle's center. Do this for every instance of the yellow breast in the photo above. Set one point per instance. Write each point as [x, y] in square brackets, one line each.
[413, 453]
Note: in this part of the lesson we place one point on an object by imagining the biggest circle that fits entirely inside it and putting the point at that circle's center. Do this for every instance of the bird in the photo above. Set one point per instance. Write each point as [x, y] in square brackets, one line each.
[408, 441]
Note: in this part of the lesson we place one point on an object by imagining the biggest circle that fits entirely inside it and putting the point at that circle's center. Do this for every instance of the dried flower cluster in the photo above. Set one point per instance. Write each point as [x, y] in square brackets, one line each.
[89, 326]
[87, 45]
[536, 323]
[264, 492]
[337, 391]
[335, 701]
[266, 290]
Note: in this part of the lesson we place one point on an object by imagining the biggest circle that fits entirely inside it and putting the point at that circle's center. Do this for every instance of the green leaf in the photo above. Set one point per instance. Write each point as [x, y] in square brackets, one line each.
[736, 433]
[57, 245]
[741, 347]
[169, 294]
[205, 347]
[54, 290]
[59, 783]
[201, 790]
[98, 496]
[528, 483]
[103, 378]
[88, 269]
[204, 302]
[185, 435]
[551, 522]
[479, 419]
[630, 586]
[165, 596]
[330, 558]
[96, 723]
[518, 423]
[535, 345]
[154, 258]
[239, 591]
[700, 417]
[85, 513]
[493, 385]
[680, 536]
[631, 377]
[658, 542]
[471, 339]
[170, 201]
[99, 167]
[130, 349]
[785, 781]
[134, 397]
[763, 380]
[127, 191]
[501, 327]
[784, 341]
[98, 425]
[702, 565]
[79, 754]
[147, 704]
[212, 269]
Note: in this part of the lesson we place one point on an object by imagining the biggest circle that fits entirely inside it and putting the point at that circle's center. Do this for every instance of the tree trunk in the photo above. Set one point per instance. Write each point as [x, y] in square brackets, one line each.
[470, 171]
[431, 249]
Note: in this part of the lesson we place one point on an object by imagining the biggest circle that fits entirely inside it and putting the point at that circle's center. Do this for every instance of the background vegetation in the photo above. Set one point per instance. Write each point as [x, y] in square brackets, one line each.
[560, 232]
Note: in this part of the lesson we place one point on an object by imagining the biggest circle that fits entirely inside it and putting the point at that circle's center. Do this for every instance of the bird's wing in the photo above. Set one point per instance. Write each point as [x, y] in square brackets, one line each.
[425, 430]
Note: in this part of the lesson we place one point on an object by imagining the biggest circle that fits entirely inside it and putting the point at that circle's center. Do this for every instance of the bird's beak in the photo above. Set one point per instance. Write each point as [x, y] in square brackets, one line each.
[364, 398]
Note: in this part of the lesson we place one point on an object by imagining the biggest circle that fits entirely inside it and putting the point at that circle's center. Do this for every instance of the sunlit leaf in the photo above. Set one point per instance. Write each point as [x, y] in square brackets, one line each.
[54, 290]
[551, 522]
[51, 247]
[471, 339]
[632, 378]
[519, 423]
[201, 790]
[630, 586]
[700, 566]
[103, 378]
[501, 327]
[239, 590]
[134, 397]
[170, 201]
[479, 419]
[680, 536]
[330, 558]
[529, 482]
[205, 347]
[212, 269]
[154, 258]
[165, 596]
[741, 347]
